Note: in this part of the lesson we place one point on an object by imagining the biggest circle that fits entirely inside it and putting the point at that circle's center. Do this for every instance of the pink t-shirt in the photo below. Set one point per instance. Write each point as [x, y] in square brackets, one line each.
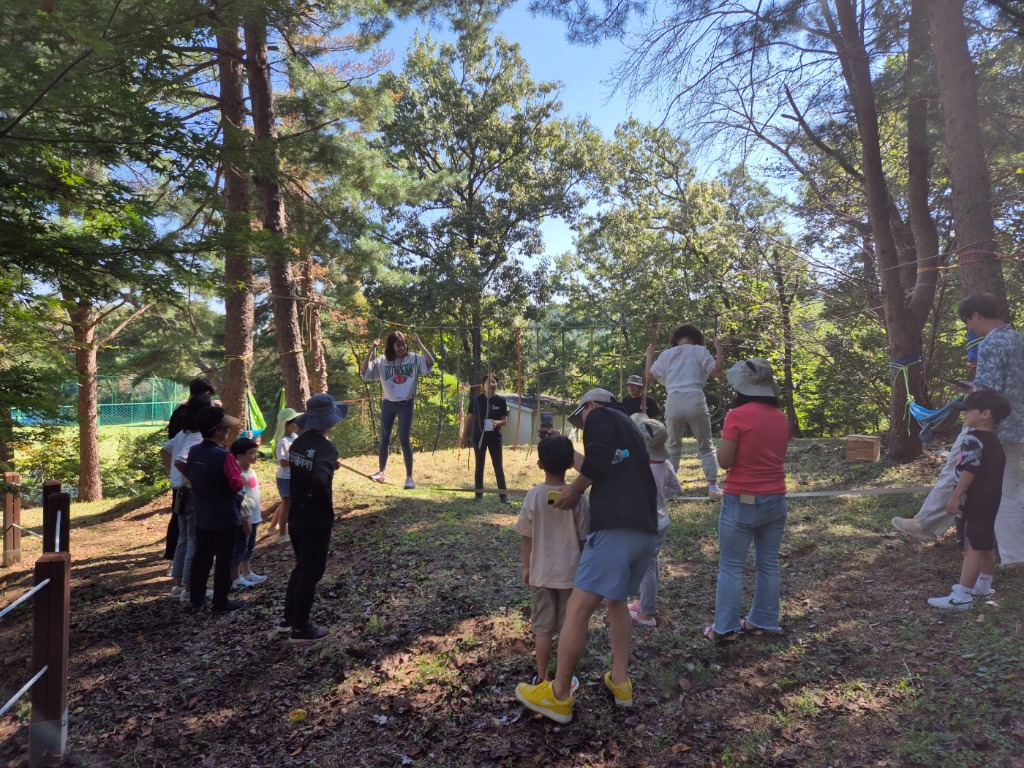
[761, 434]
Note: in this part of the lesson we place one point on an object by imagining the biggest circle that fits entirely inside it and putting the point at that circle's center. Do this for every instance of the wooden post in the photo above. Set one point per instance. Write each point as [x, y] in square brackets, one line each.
[48, 731]
[56, 519]
[12, 519]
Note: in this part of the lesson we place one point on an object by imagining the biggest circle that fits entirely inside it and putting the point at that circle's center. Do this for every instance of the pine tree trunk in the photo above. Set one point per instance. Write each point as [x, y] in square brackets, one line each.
[90, 482]
[980, 269]
[903, 327]
[238, 282]
[267, 176]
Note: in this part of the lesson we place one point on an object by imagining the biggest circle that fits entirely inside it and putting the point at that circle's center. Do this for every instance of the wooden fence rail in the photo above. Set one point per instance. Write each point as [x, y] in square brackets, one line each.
[48, 729]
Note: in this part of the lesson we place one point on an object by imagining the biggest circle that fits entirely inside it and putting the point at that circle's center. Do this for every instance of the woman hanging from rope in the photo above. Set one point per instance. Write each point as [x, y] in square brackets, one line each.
[684, 370]
[488, 413]
[399, 371]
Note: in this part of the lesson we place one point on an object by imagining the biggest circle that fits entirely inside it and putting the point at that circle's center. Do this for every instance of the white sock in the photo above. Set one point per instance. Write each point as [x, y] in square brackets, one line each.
[984, 584]
[962, 594]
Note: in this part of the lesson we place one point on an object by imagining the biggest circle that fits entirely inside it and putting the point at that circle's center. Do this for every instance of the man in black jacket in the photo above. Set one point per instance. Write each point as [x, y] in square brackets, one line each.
[622, 540]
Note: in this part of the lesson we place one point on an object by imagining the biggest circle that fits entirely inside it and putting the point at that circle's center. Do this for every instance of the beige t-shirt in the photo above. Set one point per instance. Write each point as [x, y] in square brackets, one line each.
[556, 535]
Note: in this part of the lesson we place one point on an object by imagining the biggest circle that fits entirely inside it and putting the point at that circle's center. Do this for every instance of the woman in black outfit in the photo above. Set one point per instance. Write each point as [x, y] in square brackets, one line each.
[488, 413]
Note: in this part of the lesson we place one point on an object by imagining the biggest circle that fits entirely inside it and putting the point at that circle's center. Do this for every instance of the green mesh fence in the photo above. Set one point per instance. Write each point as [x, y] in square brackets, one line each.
[123, 402]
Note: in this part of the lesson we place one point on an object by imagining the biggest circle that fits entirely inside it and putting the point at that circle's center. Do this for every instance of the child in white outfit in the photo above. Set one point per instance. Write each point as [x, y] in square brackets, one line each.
[655, 436]
[246, 453]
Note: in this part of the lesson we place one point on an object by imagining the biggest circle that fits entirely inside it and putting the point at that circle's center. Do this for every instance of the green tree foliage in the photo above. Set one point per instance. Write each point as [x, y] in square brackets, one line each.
[492, 159]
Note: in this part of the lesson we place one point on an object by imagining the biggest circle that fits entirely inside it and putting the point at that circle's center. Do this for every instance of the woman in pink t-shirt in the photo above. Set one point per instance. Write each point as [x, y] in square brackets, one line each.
[752, 451]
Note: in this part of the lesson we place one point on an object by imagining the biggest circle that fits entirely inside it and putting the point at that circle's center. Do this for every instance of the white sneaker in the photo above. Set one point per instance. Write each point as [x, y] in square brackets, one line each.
[177, 592]
[950, 603]
[255, 578]
[241, 583]
[911, 527]
[975, 593]
[714, 493]
[285, 539]
[410, 483]
[378, 477]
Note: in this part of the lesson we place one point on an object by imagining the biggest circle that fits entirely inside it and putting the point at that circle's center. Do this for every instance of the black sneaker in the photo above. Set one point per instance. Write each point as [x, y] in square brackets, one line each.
[197, 607]
[229, 605]
[284, 628]
[309, 634]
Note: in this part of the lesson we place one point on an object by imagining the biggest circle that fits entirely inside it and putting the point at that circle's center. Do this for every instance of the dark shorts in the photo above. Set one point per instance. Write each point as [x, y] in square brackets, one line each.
[978, 528]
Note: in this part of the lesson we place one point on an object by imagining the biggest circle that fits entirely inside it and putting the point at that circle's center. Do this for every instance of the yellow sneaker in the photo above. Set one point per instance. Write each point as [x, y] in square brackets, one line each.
[541, 699]
[623, 692]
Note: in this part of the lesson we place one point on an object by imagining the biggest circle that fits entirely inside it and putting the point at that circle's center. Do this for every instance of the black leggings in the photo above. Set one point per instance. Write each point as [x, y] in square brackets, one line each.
[492, 445]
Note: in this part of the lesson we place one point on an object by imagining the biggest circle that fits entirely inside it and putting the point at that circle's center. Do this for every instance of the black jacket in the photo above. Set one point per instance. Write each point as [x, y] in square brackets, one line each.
[624, 494]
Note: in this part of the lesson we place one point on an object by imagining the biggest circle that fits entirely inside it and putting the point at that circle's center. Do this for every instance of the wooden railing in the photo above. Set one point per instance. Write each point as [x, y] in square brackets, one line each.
[48, 730]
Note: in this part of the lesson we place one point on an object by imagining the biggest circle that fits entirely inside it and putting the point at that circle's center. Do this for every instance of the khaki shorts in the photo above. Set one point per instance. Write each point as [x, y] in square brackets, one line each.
[548, 610]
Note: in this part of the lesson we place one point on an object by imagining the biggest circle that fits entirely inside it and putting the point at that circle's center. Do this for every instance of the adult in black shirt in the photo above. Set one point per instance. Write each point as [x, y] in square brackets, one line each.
[196, 388]
[313, 459]
[488, 413]
[631, 402]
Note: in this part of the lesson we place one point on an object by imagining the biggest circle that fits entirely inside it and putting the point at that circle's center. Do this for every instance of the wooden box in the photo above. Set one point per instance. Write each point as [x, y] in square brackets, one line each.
[863, 448]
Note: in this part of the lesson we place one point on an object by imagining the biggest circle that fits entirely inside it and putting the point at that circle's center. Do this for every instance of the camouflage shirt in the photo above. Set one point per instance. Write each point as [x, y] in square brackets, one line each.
[1001, 367]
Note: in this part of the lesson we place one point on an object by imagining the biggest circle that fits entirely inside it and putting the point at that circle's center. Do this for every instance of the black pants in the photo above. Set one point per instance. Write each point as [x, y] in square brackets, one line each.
[172, 528]
[492, 444]
[310, 546]
[211, 545]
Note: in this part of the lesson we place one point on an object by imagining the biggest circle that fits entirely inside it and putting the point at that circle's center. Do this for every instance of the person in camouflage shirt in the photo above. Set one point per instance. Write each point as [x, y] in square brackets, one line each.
[1001, 368]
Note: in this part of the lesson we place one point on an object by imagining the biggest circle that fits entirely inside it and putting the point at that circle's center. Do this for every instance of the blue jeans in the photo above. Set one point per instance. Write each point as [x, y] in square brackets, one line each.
[389, 409]
[764, 523]
[181, 568]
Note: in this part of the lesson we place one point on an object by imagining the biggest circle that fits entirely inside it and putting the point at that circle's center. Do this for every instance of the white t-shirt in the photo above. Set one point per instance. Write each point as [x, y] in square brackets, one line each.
[188, 439]
[684, 368]
[667, 481]
[281, 449]
[251, 496]
[398, 377]
[172, 447]
[556, 535]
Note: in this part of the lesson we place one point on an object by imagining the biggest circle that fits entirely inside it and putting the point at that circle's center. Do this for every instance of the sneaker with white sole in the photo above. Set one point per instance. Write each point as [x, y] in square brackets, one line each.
[255, 578]
[622, 693]
[410, 483]
[378, 477]
[714, 493]
[911, 527]
[541, 699]
[573, 687]
[177, 592]
[241, 583]
[284, 539]
[951, 602]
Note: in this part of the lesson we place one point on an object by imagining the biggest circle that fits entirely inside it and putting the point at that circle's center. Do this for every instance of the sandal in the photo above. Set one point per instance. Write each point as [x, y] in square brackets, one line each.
[727, 639]
[751, 629]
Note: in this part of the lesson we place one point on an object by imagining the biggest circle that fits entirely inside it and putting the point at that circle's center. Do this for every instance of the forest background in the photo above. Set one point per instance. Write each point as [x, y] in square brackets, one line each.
[253, 190]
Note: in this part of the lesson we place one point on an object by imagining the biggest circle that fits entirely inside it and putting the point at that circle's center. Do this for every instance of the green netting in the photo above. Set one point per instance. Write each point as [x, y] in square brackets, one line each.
[123, 401]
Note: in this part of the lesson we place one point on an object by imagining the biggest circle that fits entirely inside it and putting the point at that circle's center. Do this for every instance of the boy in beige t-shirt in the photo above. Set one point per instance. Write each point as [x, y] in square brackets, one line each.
[552, 540]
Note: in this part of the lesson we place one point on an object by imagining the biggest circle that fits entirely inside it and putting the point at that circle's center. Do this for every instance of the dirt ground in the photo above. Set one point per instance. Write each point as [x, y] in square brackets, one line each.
[430, 634]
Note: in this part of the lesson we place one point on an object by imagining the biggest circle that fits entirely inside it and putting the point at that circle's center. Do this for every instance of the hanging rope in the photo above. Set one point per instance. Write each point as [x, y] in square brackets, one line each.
[519, 383]
[440, 407]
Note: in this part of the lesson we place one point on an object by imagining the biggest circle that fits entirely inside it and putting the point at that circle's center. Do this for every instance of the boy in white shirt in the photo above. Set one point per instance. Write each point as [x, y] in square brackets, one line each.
[552, 540]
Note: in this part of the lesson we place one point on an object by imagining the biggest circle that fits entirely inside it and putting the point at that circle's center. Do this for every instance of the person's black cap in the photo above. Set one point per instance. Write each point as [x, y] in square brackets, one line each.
[985, 399]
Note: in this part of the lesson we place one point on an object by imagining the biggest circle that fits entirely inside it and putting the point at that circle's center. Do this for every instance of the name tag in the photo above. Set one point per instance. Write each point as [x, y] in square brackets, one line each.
[748, 498]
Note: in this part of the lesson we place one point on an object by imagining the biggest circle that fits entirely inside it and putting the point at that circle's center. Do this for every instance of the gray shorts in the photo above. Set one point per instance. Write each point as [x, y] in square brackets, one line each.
[613, 562]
